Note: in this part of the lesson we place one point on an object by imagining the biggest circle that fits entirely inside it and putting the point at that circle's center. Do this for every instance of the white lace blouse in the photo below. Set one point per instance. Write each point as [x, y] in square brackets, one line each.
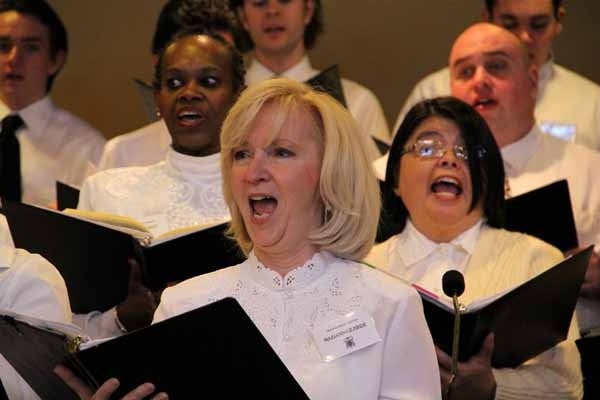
[401, 366]
[179, 192]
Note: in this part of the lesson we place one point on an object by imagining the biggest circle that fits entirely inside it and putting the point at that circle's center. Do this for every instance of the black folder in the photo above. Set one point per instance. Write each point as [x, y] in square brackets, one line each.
[545, 213]
[526, 321]
[93, 259]
[589, 349]
[187, 256]
[67, 196]
[329, 81]
[214, 351]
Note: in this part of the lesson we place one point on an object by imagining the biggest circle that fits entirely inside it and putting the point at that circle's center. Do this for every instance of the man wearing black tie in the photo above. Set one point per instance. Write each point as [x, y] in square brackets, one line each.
[39, 143]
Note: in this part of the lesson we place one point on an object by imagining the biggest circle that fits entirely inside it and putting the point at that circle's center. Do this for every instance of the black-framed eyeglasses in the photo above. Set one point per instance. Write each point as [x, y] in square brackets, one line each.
[431, 148]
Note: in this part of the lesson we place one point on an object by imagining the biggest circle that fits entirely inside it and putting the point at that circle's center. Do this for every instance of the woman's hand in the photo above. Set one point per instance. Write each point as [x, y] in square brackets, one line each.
[104, 392]
[591, 284]
[474, 379]
[138, 308]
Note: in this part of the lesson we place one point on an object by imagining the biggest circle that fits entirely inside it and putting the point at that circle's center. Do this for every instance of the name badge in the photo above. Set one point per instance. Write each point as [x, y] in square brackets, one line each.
[345, 335]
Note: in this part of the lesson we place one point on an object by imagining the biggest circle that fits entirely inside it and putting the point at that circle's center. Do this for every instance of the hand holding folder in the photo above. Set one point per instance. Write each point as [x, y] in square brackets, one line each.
[216, 348]
[92, 256]
[526, 320]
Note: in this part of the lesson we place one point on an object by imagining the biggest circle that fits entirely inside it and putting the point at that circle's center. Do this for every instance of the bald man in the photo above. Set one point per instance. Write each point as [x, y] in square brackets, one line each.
[491, 70]
[567, 104]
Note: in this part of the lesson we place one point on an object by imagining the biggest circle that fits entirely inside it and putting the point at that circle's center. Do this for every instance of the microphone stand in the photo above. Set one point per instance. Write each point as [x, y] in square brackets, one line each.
[455, 341]
[453, 284]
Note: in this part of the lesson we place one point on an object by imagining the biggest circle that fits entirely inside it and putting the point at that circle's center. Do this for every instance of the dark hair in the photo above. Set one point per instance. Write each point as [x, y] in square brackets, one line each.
[311, 32]
[485, 162]
[177, 15]
[238, 72]
[490, 4]
[42, 11]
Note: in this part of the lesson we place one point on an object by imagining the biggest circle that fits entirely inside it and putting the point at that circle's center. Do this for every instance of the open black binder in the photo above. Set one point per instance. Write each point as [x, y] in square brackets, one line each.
[93, 259]
[545, 213]
[526, 321]
[214, 351]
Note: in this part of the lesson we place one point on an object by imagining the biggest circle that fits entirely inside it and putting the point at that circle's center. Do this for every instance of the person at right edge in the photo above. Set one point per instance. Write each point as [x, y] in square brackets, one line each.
[444, 191]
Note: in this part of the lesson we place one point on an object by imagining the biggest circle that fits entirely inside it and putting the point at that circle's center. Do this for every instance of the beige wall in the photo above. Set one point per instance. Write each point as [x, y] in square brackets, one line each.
[386, 45]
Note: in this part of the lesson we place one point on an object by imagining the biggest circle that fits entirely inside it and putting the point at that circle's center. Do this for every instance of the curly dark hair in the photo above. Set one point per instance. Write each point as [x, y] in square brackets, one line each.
[177, 15]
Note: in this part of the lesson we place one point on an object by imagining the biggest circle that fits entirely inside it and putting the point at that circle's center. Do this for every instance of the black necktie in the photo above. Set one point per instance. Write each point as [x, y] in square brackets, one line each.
[10, 159]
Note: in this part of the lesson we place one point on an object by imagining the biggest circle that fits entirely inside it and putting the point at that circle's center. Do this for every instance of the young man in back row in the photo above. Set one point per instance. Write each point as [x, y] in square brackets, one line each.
[281, 32]
[40, 143]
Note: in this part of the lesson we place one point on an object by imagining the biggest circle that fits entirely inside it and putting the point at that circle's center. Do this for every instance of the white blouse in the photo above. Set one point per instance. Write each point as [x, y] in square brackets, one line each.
[286, 309]
[498, 260]
[179, 192]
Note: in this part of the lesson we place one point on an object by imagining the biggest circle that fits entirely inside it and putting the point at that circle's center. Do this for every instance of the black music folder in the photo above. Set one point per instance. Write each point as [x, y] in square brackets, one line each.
[93, 257]
[214, 351]
[329, 81]
[545, 213]
[589, 349]
[526, 320]
[67, 196]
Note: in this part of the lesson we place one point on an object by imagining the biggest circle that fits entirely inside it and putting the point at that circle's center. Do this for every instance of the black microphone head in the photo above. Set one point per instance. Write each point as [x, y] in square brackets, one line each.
[453, 283]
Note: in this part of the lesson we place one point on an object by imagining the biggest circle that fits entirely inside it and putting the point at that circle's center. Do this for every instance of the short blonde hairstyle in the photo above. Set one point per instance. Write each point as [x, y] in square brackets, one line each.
[347, 185]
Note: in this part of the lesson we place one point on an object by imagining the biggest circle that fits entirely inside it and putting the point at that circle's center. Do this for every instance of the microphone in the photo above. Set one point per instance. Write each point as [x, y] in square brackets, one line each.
[453, 284]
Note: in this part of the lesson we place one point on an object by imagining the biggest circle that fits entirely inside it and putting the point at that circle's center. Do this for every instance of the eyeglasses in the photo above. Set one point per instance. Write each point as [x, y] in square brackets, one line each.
[431, 148]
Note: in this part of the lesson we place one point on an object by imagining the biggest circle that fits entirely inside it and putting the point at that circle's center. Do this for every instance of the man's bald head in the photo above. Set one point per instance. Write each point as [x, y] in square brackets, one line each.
[492, 70]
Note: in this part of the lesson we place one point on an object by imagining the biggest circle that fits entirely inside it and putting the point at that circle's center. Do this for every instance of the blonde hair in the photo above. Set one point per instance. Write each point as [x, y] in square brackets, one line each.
[347, 185]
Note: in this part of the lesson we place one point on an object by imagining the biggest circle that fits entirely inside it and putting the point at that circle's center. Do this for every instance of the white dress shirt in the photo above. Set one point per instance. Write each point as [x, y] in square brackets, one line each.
[55, 145]
[29, 285]
[176, 193]
[361, 102]
[567, 106]
[492, 261]
[427, 261]
[537, 160]
[286, 309]
[145, 146]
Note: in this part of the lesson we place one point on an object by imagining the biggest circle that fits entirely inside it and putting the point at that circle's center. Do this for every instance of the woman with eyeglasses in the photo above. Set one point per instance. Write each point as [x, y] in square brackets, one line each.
[444, 199]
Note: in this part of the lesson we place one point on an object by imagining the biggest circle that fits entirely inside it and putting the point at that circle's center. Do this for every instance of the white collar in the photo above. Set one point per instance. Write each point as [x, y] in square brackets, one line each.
[517, 154]
[411, 246]
[301, 72]
[194, 169]
[545, 73]
[7, 247]
[296, 279]
[36, 116]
